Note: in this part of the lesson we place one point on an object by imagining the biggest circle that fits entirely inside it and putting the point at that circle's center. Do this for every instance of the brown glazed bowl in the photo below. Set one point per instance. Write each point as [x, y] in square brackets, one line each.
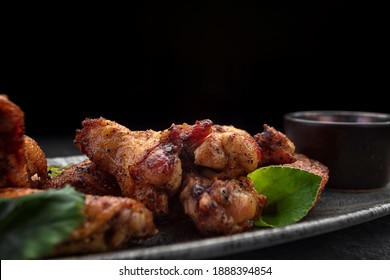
[355, 146]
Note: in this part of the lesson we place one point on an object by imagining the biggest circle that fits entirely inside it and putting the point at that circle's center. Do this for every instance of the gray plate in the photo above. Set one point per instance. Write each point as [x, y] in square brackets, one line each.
[178, 239]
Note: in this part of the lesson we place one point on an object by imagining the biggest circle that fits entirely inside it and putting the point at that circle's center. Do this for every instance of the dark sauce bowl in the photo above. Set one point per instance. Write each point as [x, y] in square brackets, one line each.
[354, 145]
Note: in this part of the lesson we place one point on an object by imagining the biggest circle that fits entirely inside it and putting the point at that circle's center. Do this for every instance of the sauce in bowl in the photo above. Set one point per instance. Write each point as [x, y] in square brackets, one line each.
[354, 145]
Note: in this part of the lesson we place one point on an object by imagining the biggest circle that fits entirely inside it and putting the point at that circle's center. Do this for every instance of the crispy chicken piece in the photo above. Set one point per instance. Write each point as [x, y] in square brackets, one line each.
[230, 152]
[145, 167]
[36, 163]
[276, 147]
[219, 206]
[109, 224]
[86, 178]
[22, 161]
[188, 138]
[12, 160]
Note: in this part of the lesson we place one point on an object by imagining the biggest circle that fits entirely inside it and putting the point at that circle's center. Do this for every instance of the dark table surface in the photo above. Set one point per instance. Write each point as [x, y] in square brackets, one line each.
[368, 240]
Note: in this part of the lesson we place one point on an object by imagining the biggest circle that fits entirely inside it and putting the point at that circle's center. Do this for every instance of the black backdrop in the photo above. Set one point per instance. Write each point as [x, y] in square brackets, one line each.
[150, 65]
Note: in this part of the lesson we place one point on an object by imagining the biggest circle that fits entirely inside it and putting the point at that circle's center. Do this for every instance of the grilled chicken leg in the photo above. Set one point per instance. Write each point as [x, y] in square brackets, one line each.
[145, 167]
[109, 224]
[218, 206]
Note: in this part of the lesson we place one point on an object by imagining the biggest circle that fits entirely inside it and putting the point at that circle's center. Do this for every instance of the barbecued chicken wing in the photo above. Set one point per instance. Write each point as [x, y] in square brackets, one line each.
[86, 178]
[109, 224]
[145, 167]
[230, 152]
[188, 137]
[218, 206]
[276, 147]
[22, 161]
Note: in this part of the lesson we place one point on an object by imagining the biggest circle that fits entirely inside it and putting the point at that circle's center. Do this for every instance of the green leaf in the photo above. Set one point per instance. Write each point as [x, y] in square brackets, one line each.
[31, 225]
[291, 193]
[55, 170]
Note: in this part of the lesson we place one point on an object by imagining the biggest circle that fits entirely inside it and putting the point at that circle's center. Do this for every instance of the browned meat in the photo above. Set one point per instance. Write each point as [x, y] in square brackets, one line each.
[86, 178]
[230, 152]
[215, 194]
[189, 137]
[22, 162]
[276, 147]
[145, 167]
[109, 224]
[221, 206]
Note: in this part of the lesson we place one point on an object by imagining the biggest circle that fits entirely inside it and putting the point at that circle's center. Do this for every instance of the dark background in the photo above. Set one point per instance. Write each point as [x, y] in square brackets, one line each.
[149, 65]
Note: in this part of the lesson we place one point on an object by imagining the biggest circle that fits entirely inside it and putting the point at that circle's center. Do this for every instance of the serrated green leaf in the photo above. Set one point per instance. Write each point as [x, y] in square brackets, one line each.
[291, 193]
[31, 225]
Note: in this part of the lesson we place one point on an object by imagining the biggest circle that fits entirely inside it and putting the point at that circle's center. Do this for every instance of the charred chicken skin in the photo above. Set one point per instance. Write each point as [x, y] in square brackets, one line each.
[86, 178]
[230, 152]
[276, 147]
[145, 167]
[109, 224]
[218, 206]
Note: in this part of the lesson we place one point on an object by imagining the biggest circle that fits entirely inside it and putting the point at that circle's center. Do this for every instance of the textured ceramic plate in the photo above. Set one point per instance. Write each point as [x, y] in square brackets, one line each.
[178, 239]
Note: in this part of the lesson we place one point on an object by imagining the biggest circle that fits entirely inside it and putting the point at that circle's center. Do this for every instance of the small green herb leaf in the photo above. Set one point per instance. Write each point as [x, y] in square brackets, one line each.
[291, 193]
[55, 170]
[31, 225]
